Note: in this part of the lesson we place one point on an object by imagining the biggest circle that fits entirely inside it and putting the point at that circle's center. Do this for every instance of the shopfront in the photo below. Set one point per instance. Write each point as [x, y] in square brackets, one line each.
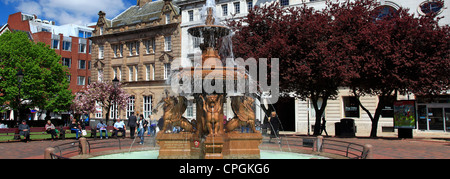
[434, 113]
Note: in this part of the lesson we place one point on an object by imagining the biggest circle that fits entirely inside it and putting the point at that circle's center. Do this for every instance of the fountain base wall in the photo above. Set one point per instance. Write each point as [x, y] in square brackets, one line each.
[227, 146]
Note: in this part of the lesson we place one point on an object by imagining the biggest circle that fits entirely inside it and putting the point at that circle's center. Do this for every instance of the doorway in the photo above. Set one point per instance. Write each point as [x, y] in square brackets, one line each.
[285, 108]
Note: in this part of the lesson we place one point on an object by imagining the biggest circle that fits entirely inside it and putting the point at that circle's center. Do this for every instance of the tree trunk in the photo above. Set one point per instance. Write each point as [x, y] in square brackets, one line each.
[376, 117]
[319, 113]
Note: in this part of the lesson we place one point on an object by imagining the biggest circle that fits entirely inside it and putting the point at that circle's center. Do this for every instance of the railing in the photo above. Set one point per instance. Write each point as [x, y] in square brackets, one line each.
[351, 150]
[67, 149]
[318, 144]
[84, 146]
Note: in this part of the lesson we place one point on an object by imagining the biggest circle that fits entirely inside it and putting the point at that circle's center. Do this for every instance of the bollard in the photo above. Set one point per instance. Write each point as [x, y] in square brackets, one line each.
[48, 152]
[319, 143]
[83, 145]
[367, 151]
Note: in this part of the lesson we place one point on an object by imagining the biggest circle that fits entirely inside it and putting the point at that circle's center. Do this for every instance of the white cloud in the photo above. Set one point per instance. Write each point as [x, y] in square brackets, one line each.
[71, 12]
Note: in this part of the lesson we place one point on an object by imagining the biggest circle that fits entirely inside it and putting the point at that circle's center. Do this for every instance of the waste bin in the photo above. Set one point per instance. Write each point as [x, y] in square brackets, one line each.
[337, 129]
[347, 128]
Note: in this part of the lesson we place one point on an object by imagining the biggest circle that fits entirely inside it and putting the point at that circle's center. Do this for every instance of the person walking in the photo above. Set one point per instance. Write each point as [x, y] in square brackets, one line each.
[132, 123]
[50, 129]
[142, 126]
[323, 127]
[274, 123]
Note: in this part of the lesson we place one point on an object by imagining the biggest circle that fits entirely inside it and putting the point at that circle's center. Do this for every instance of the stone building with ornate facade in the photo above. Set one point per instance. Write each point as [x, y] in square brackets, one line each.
[138, 47]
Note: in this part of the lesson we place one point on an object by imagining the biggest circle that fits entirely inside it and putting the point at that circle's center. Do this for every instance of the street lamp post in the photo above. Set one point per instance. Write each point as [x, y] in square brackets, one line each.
[115, 83]
[20, 76]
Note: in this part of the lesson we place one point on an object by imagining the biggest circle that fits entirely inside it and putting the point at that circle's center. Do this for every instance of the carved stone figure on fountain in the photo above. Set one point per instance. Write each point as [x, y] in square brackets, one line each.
[174, 107]
[213, 111]
[242, 107]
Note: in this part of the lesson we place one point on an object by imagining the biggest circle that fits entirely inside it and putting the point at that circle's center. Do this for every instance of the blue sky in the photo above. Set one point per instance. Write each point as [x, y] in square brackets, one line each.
[62, 11]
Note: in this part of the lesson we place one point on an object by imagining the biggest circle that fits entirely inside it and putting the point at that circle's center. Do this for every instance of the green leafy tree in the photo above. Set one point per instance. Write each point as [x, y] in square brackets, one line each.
[45, 85]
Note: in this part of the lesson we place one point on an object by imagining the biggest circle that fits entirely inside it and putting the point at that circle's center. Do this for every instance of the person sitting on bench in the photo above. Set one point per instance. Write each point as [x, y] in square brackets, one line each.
[24, 130]
[119, 126]
[102, 128]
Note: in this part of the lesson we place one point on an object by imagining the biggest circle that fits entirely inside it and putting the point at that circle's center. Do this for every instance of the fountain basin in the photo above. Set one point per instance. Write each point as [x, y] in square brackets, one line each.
[265, 154]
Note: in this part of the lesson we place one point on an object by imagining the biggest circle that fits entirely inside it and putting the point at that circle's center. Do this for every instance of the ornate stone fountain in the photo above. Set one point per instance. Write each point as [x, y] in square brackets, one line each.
[208, 137]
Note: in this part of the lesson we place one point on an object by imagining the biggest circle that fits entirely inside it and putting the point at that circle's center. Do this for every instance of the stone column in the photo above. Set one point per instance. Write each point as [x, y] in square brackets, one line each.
[48, 151]
[319, 143]
[367, 150]
[83, 144]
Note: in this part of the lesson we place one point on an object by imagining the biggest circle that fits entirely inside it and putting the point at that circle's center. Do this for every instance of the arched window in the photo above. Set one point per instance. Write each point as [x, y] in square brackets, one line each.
[428, 7]
[383, 12]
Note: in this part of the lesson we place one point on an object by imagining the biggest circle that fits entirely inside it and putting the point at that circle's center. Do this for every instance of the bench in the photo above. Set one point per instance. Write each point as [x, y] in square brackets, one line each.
[94, 131]
[33, 131]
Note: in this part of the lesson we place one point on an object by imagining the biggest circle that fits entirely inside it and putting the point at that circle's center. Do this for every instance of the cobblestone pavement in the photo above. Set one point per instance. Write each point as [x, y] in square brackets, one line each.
[383, 148]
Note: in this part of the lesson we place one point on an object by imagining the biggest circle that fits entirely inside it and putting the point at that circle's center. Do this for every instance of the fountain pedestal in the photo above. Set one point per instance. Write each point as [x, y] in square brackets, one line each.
[242, 145]
[178, 146]
[213, 147]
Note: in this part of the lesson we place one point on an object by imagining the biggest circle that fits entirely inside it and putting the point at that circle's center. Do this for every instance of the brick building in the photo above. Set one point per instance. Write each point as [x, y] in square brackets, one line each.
[138, 47]
[70, 41]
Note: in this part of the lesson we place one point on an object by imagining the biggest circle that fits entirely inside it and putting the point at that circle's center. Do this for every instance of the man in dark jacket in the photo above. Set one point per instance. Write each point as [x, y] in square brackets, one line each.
[274, 126]
[132, 123]
[24, 130]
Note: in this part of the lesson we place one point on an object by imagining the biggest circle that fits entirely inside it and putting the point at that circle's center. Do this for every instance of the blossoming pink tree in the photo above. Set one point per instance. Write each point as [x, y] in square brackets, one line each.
[103, 94]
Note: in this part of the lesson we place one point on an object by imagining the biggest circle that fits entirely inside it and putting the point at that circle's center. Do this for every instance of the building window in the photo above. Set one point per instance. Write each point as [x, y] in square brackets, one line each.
[351, 106]
[84, 34]
[138, 45]
[250, 5]
[69, 77]
[67, 62]
[284, 2]
[115, 73]
[136, 68]
[55, 44]
[81, 80]
[168, 18]
[147, 106]
[82, 48]
[149, 46]
[130, 46]
[168, 43]
[111, 112]
[67, 45]
[99, 111]
[191, 16]
[89, 65]
[237, 7]
[100, 75]
[115, 50]
[82, 64]
[101, 52]
[150, 73]
[167, 70]
[431, 7]
[383, 12]
[130, 106]
[225, 10]
[130, 73]
[190, 109]
[388, 109]
[196, 41]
